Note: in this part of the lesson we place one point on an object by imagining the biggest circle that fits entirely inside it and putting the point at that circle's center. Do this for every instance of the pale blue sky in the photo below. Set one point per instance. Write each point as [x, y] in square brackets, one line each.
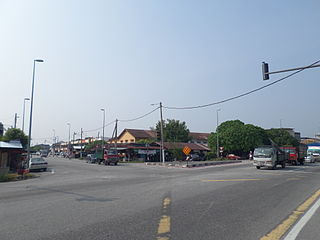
[125, 55]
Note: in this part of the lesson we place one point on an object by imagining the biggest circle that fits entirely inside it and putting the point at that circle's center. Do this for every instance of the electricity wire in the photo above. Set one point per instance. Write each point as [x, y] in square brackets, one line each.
[243, 94]
[134, 119]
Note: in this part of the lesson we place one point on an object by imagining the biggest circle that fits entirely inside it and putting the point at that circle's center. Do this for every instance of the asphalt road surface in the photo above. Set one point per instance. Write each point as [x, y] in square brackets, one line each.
[76, 200]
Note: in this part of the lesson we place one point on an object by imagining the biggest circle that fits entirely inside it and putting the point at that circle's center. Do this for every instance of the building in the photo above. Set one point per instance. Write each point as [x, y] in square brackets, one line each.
[134, 135]
[199, 138]
[10, 156]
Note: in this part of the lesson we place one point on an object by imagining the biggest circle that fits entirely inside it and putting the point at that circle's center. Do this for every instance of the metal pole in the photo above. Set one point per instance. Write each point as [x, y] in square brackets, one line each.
[31, 107]
[103, 123]
[81, 132]
[161, 125]
[23, 114]
[218, 155]
[294, 69]
[69, 140]
[15, 120]
[54, 142]
[116, 137]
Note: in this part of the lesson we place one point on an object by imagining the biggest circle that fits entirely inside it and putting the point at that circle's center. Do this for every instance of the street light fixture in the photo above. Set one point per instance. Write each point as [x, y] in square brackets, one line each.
[218, 110]
[31, 106]
[24, 107]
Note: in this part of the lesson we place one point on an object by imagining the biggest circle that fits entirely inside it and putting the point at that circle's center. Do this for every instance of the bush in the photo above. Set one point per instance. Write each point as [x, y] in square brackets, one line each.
[8, 177]
[210, 155]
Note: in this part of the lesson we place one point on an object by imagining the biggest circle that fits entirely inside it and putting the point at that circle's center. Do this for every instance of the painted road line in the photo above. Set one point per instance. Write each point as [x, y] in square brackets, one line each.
[232, 180]
[282, 228]
[292, 235]
[165, 221]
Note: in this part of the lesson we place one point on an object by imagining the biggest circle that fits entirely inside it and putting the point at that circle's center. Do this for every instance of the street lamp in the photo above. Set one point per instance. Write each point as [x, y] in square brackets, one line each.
[69, 140]
[54, 142]
[103, 123]
[31, 106]
[24, 107]
[218, 155]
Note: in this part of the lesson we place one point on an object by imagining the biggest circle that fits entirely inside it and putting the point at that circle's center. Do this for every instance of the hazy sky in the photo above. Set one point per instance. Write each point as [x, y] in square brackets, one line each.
[125, 55]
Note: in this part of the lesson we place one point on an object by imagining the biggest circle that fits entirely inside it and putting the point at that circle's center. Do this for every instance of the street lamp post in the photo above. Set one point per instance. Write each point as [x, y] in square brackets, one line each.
[54, 142]
[103, 123]
[69, 140]
[24, 107]
[218, 155]
[31, 105]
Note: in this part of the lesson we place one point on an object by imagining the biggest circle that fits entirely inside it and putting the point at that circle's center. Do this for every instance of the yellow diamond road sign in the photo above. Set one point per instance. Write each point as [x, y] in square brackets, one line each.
[186, 150]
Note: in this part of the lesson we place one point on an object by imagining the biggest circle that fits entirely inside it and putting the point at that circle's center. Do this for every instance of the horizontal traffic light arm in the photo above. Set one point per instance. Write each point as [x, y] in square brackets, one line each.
[266, 73]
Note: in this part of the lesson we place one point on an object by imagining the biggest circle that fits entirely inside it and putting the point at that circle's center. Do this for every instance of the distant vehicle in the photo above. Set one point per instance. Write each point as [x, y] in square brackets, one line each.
[111, 157]
[233, 157]
[91, 158]
[44, 153]
[38, 163]
[195, 157]
[269, 156]
[296, 154]
[310, 159]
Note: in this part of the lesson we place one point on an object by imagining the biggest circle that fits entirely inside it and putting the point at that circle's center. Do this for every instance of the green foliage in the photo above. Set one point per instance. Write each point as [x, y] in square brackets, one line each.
[210, 155]
[281, 137]
[36, 148]
[15, 134]
[8, 177]
[177, 154]
[174, 131]
[237, 137]
[92, 146]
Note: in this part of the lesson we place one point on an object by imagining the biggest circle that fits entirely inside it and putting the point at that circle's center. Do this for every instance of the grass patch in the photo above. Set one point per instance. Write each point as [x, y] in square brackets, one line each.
[131, 161]
[8, 177]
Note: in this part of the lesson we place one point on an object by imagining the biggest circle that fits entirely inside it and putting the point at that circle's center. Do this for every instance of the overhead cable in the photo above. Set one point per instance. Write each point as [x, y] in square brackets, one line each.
[144, 115]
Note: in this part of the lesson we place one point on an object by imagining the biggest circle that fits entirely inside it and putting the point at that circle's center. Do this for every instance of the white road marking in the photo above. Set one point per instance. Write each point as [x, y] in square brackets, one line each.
[292, 235]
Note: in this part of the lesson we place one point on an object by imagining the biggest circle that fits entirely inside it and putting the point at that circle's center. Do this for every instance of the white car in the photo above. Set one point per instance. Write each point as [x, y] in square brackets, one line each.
[310, 159]
[38, 163]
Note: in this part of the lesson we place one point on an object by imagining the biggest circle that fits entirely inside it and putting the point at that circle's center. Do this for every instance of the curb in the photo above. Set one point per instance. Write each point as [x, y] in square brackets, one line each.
[191, 165]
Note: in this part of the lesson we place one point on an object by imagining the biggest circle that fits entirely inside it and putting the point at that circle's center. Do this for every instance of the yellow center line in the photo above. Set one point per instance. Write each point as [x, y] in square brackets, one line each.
[165, 221]
[282, 228]
[232, 180]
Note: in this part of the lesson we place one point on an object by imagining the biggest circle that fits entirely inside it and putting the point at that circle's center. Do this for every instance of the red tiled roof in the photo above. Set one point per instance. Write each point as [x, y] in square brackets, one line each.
[144, 134]
[199, 136]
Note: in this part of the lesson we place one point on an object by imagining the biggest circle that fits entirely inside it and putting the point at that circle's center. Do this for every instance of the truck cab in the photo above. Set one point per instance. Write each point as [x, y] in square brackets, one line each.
[111, 156]
[268, 156]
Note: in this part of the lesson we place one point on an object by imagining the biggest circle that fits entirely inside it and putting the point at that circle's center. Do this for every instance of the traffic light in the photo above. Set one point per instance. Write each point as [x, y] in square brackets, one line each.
[158, 135]
[265, 71]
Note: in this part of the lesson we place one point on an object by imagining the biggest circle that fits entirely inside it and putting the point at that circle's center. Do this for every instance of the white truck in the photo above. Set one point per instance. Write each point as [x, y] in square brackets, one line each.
[269, 156]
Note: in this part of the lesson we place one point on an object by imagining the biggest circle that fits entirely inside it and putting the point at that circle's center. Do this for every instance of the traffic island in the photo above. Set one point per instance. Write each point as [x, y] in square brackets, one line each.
[184, 164]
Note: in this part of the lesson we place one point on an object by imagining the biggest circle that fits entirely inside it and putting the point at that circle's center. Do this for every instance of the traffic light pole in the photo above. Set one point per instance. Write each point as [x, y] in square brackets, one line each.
[266, 73]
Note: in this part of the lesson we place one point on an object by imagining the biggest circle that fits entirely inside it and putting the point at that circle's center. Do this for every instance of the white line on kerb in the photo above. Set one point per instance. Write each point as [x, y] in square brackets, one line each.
[292, 235]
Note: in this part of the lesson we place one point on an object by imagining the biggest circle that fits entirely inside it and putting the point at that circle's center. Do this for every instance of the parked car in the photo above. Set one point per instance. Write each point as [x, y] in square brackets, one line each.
[233, 157]
[196, 157]
[91, 158]
[310, 158]
[38, 163]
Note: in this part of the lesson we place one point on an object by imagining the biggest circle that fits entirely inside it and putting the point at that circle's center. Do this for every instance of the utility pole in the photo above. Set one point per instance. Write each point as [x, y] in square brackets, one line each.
[81, 132]
[15, 120]
[161, 126]
[116, 136]
[103, 123]
[218, 154]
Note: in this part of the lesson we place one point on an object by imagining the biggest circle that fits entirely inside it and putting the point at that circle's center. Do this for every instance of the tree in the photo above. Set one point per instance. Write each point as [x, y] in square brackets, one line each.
[237, 137]
[16, 134]
[174, 131]
[281, 137]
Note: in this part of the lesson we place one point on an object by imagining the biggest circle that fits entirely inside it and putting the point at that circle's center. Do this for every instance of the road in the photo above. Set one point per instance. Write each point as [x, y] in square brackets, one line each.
[76, 200]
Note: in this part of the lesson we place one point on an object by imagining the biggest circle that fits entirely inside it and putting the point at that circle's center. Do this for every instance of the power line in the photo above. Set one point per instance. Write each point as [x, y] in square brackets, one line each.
[93, 130]
[243, 94]
[134, 119]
